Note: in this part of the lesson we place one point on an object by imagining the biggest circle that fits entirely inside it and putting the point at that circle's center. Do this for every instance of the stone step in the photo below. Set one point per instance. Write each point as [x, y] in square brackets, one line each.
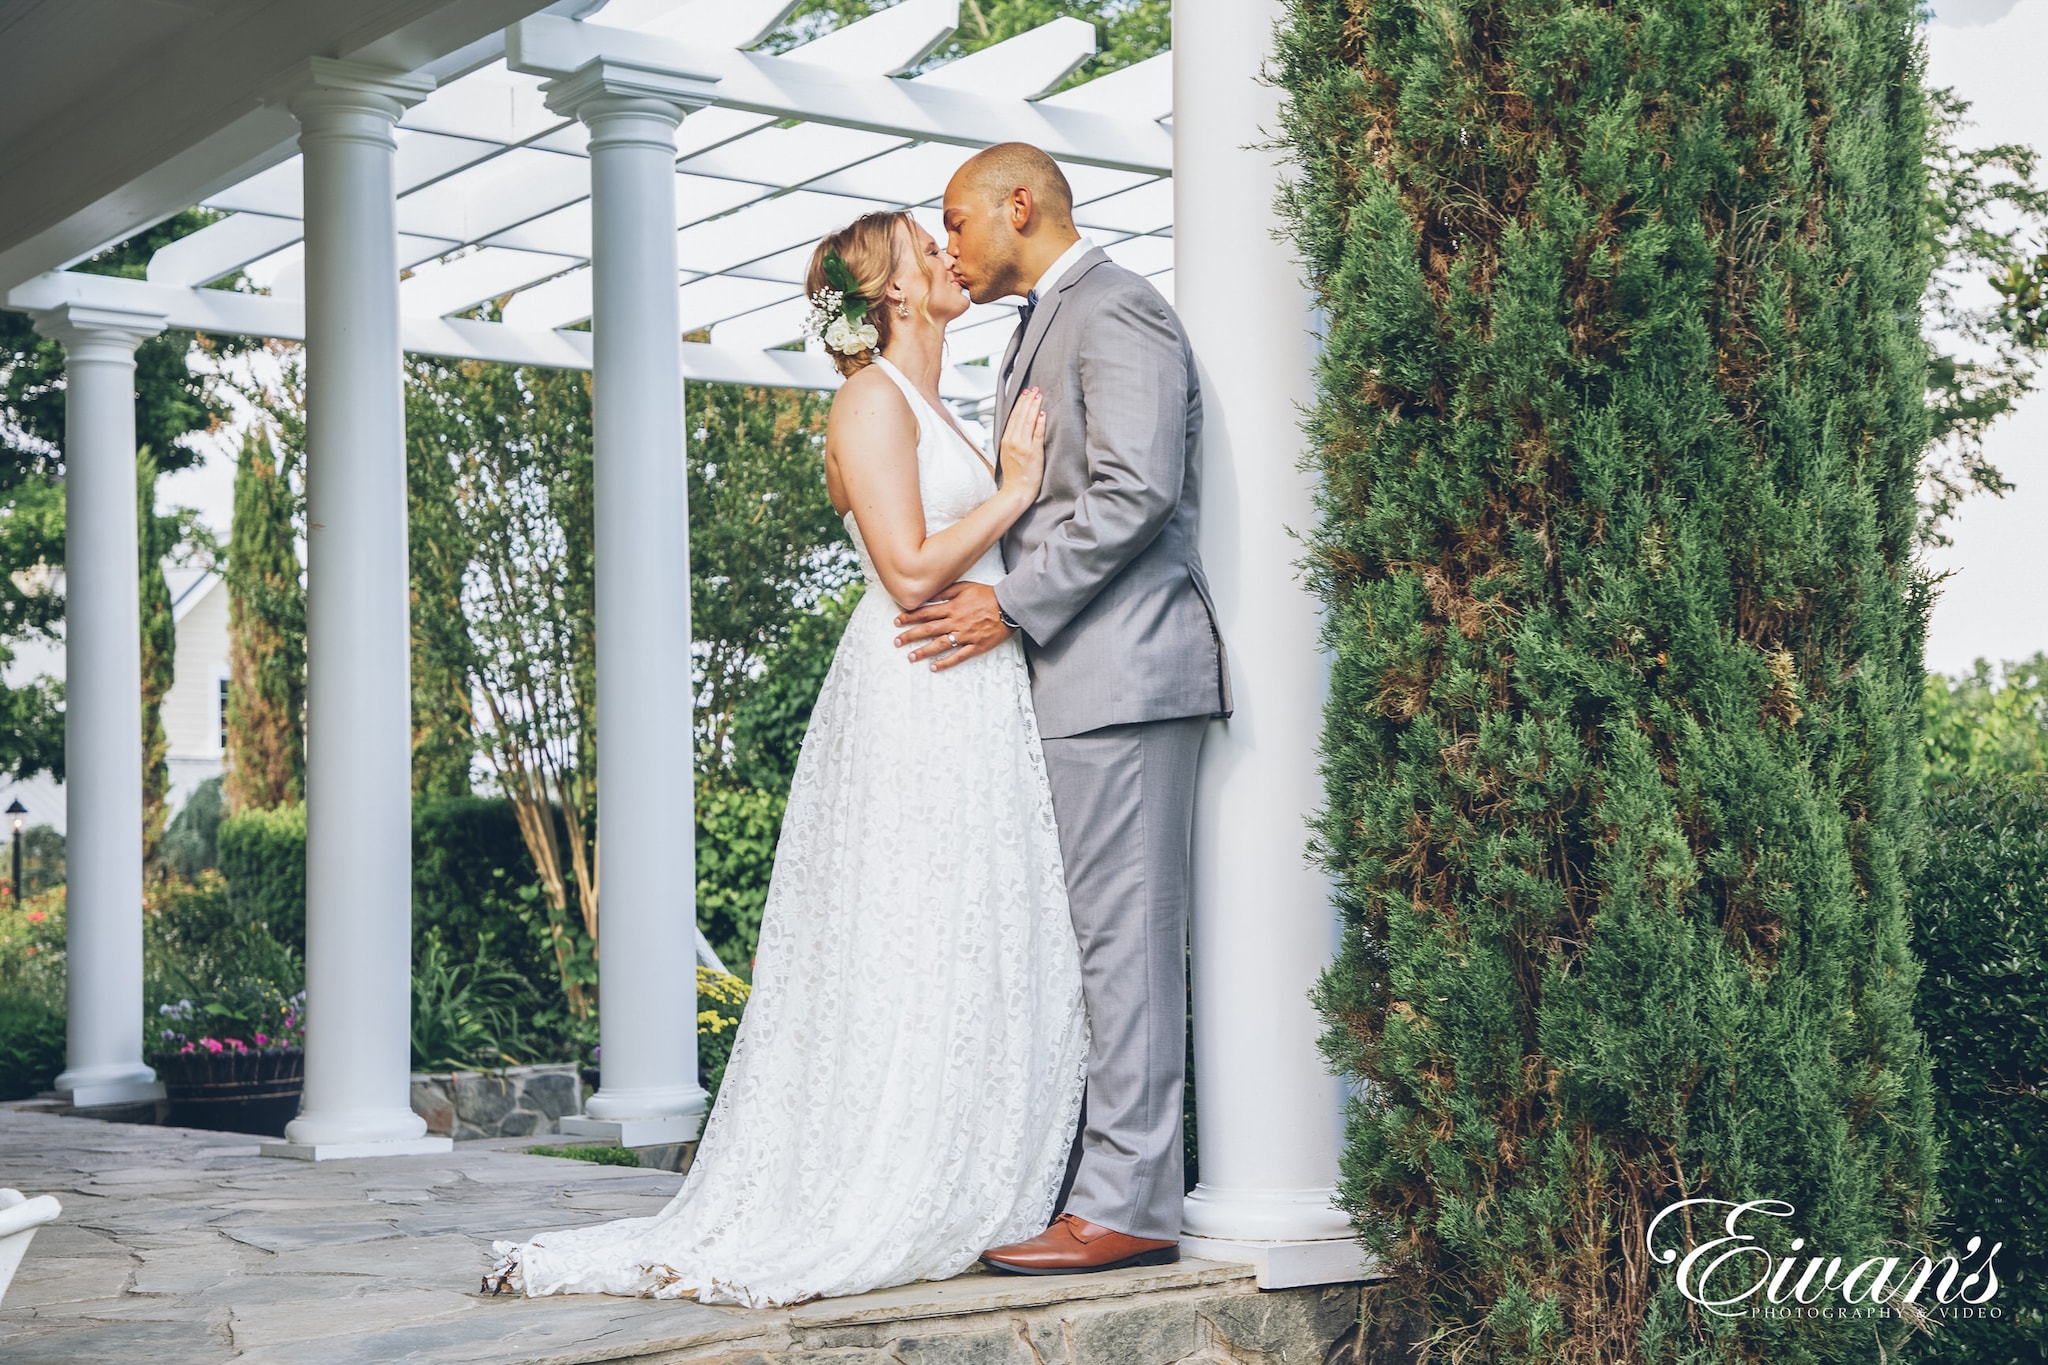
[179, 1247]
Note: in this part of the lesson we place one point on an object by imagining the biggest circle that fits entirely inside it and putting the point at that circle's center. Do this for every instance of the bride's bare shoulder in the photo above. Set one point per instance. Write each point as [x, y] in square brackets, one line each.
[869, 401]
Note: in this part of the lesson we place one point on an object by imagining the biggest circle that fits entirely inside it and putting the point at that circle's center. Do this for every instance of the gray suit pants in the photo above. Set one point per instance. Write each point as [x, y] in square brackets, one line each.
[1125, 799]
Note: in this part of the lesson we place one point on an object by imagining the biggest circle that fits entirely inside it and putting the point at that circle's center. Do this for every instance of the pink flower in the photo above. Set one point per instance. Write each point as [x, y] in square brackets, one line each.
[36, 917]
[261, 1040]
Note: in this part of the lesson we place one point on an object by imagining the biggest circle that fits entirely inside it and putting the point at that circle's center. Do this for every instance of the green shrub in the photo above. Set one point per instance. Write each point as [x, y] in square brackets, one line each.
[263, 857]
[469, 869]
[468, 1014]
[770, 719]
[1981, 929]
[31, 1047]
[32, 950]
[736, 832]
[1620, 409]
[221, 974]
[191, 845]
[1978, 724]
[721, 998]
[42, 859]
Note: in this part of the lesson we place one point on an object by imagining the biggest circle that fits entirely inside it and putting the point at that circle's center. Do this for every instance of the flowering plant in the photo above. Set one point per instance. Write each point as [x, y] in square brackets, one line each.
[264, 1017]
[839, 313]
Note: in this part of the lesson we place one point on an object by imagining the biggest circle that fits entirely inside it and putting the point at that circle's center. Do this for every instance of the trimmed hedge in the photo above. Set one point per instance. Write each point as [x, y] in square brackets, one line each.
[1620, 410]
[470, 867]
[31, 1047]
[1981, 929]
[262, 853]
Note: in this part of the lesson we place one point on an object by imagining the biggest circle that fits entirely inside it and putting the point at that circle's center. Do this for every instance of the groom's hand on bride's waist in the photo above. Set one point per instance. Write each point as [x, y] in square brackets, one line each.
[961, 622]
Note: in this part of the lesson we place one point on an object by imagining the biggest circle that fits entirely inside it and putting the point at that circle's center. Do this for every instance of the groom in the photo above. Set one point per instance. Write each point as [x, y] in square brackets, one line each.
[1127, 669]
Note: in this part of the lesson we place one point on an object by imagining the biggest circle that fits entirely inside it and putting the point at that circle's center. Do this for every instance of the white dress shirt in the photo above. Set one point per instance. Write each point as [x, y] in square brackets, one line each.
[1054, 273]
[1057, 271]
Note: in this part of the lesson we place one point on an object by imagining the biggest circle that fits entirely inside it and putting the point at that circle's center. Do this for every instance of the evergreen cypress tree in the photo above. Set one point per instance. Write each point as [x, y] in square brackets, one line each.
[156, 537]
[1619, 413]
[266, 637]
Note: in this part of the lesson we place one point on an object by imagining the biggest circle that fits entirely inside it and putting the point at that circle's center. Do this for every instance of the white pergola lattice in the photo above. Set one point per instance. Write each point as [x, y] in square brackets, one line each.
[493, 188]
[643, 167]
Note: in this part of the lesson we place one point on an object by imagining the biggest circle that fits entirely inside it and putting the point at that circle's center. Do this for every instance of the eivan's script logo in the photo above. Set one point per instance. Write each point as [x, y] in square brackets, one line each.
[1731, 1275]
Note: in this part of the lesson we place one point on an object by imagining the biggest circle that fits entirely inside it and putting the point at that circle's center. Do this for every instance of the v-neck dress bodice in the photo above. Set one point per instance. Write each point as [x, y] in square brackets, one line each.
[952, 481]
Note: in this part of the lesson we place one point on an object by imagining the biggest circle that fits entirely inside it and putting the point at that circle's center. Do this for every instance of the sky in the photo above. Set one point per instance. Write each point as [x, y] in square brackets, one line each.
[1991, 602]
[1992, 605]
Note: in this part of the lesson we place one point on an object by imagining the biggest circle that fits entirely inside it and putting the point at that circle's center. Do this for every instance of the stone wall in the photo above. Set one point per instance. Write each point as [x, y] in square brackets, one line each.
[1194, 1323]
[521, 1101]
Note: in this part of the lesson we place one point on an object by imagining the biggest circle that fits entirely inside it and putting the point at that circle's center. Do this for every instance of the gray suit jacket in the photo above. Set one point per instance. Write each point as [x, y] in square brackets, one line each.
[1104, 576]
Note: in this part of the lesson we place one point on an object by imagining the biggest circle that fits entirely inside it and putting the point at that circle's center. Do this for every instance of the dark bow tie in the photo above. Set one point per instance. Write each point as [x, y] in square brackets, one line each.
[1023, 326]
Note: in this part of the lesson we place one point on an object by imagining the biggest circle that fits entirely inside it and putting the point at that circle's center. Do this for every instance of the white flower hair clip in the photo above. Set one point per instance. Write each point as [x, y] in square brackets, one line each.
[839, 314]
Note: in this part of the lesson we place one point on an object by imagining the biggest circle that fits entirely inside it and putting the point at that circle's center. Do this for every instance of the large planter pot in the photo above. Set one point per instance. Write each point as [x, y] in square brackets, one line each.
[233, 1092]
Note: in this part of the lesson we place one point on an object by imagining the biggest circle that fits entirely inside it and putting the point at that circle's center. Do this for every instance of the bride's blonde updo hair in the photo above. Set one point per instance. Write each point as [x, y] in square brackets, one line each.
[872, 247]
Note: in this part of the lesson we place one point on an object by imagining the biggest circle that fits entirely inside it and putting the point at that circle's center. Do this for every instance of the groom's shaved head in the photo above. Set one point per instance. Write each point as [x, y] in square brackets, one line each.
[994, 173]
[1009, 216]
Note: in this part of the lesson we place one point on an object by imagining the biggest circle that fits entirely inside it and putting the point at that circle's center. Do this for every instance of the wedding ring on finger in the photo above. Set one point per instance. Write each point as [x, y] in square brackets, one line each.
[952, 640]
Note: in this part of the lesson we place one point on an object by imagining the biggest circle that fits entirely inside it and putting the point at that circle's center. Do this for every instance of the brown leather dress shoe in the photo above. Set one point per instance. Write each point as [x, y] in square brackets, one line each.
[1075, 1246]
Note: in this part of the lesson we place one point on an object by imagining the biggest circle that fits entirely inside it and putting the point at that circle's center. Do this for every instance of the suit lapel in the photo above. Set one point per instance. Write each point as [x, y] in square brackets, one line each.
[1024, 344]
[1003, 390]
[1023, 347]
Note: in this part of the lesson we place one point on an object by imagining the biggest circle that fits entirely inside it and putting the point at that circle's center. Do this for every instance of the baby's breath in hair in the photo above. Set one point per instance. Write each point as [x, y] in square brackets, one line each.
[839, 313]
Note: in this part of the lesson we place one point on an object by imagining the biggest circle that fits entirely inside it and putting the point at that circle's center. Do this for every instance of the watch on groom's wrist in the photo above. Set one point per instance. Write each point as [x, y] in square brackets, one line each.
[1003, 614]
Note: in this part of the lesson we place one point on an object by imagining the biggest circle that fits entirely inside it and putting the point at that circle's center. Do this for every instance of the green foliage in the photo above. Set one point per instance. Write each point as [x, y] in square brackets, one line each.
[602, 1156]
[504, 591]
[266, 706]
[192, 842]
[172, 403]
[172, 400]
[765, 544]
[32, 950]
[263, 858]
[251, 1011]
[1987, 218]
[1621, 404]
[736, 832]
[721, 999]
[1976, 726]
[31, 1047]
[42, 859]
[439, 543]
[471, 879]
[157, 537]
[1126, 31]
[200, 945]
[770, 716]
[1981, 929]
[467, 1014]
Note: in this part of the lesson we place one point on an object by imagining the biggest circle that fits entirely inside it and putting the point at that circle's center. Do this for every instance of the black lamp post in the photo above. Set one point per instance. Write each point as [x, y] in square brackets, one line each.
[15, 811]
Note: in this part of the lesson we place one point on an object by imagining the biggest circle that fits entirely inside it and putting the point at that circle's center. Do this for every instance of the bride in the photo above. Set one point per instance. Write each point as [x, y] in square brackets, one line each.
[908, 1074]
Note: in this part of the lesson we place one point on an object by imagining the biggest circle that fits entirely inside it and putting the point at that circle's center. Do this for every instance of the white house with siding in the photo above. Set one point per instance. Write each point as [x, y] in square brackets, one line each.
[194, 709]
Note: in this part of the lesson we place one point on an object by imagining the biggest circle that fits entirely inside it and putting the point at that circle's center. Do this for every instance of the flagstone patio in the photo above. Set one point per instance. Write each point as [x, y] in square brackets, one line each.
[180, 1247]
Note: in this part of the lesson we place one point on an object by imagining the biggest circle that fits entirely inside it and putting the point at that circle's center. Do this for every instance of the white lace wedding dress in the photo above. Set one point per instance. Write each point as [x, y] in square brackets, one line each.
[908, 1073]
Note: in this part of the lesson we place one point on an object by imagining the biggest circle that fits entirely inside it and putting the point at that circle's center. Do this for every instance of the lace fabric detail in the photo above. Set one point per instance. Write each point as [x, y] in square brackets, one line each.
[908, 1073]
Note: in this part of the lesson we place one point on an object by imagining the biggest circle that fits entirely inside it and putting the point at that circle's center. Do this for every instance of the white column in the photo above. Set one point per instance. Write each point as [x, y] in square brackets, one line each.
[102, 707]
[1263, 926]
[358, 690]
[647, 981]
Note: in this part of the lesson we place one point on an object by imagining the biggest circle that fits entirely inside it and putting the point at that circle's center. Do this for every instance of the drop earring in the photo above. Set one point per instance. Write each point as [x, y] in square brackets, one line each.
[902, 309]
